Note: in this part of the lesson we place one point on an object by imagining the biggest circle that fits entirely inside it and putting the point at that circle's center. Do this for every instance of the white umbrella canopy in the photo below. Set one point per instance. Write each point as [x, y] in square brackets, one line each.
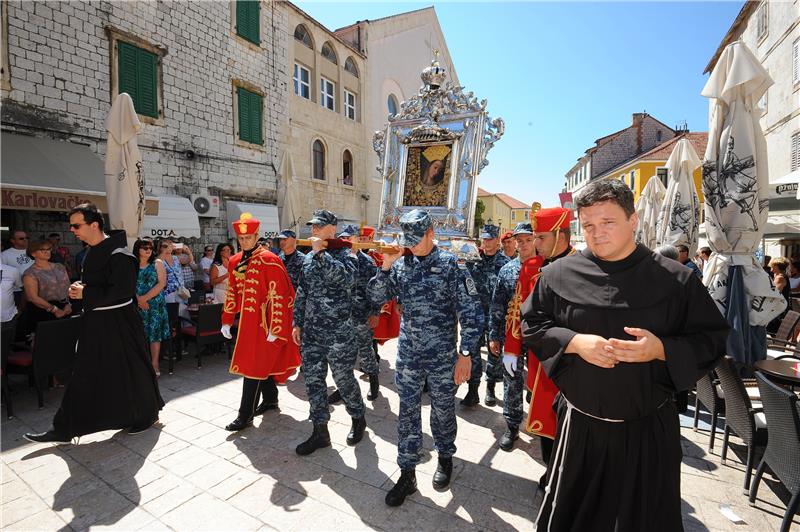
[736, 184]
[124, 171]
[288, 215]
[679, 219]
[648, 207]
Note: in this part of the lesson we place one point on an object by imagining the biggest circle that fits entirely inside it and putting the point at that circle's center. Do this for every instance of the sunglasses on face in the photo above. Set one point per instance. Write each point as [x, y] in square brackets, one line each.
[146, 248]
[21, 238]
[77, 226]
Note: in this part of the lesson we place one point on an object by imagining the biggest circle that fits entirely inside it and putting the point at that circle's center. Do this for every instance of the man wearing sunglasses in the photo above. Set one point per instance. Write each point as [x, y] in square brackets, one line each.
[17, 255]
[113, 384]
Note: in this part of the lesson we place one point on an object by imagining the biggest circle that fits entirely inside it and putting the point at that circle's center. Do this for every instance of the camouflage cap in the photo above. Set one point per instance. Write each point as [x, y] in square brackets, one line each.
[286, 234]
[348, 231]
[523, 228]
[490, 231]
[323, 217]
[414, 225]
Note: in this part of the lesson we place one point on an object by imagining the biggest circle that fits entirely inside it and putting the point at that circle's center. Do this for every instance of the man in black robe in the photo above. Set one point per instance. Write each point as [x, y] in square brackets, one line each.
[113, 384]
[619, 330]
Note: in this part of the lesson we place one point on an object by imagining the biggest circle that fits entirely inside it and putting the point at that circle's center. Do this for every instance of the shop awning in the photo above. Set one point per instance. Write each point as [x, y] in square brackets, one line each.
[266, 214]
[51, 175]
[176, 219]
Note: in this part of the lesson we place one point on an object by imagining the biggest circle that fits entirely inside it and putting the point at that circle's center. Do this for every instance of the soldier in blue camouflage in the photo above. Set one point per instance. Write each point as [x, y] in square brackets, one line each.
[322, 328]
[365, 316]
[291, 257]
[437, 295]
[484, 272]
[513, 382]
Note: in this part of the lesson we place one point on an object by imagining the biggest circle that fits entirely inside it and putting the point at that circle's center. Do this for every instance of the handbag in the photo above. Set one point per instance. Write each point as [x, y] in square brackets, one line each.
[183, 293]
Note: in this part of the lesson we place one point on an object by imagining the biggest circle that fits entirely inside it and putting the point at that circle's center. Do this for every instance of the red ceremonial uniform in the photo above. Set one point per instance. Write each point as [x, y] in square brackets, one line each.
[263, 296]
[389, 318]
[541, 417]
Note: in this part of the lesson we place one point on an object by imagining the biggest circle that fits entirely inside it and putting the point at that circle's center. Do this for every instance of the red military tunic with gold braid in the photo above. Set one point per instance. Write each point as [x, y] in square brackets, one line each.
[263, 296]
[389, 318]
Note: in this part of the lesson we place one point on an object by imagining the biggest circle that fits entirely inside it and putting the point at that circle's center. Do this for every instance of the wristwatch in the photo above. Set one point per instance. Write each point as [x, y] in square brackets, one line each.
[463, 354]
[52, 309]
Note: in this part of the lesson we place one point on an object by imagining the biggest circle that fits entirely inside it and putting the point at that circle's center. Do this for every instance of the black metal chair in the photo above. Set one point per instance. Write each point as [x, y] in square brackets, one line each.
[740, 416]
[706, 394]
[783, 339]
[205, 330]
[7, 336]
[782, 454]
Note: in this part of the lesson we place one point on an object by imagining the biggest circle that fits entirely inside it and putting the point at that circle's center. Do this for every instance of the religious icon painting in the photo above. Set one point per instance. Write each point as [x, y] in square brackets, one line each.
[427, 175]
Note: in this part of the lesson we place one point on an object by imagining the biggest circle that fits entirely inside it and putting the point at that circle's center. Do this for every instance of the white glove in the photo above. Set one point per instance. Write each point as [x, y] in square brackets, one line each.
[271, 337]
[226, 331]
[510, 363]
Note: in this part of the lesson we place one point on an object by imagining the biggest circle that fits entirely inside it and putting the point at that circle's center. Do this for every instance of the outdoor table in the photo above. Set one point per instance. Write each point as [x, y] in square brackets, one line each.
[783, 371]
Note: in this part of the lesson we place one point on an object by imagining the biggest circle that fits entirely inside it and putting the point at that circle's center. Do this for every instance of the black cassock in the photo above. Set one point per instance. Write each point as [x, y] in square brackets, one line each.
[113, 384]
[618, 439]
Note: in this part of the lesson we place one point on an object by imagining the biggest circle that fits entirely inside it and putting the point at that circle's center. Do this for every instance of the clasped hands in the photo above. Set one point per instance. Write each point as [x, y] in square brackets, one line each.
[607, 353]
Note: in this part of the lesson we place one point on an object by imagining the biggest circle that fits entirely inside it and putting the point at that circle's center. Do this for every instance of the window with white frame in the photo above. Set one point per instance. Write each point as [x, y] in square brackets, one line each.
[762, 18]
[795, 156]
[327, 93]
[302, 81]
[662, 174]
[349, 105]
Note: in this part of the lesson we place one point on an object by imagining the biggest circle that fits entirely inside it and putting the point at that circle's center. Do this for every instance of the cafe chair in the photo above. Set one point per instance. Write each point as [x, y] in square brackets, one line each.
[706, 394]
[741, 416]
[205, 330]
[782, 454]
[783, 341]
[53, 352]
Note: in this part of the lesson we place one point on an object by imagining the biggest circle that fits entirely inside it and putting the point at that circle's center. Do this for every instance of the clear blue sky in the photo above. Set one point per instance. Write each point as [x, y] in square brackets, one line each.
[564, 74]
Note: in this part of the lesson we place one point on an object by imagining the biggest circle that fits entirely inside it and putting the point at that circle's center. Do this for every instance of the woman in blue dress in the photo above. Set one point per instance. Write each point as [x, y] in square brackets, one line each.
[150, 298]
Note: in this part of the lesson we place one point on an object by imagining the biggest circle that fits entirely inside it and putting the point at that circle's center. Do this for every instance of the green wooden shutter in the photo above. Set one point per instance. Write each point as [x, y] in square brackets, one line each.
[251, 114]
[244, 114]
[256, 113]
[127, 70]
[248, 20]
[148, 84]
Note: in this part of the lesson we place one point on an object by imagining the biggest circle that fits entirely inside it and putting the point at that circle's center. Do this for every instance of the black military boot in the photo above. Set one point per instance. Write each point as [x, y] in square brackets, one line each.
[471, 399]
[441, 479]
[335, 397]
[319, 438]
[490, 399]
[239, 423]
[406, 485]
[374, 387]
[356, 430]
[508, 438]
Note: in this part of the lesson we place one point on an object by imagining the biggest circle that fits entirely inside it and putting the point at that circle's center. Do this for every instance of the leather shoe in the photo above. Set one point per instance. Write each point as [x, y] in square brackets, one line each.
[508, 438]
[319, 438]
[406, 485]
[441, 479]
[50, 436]
[239, 424]
[335, 397]
[357, 430]
[264, 406]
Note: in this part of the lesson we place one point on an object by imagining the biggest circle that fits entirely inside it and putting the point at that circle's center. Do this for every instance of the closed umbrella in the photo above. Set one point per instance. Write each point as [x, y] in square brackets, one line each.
[648, 208]
[288, 215]
[124, 171]
[735, 185]
[679, 219]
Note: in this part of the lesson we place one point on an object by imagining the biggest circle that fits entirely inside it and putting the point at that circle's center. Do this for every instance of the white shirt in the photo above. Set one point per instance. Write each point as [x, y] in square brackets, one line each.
[9, 281]
[17, 258]
[205, 265]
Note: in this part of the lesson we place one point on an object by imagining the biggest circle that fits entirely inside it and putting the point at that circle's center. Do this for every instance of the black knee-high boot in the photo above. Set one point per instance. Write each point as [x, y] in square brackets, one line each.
[251, 389]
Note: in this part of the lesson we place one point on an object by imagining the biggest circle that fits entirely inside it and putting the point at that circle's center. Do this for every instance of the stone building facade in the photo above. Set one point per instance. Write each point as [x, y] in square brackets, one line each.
[61, 74]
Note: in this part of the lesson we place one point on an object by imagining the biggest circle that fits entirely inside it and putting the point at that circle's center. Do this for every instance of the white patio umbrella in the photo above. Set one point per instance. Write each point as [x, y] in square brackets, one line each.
[286, 203]
[124, 171]
[679, 218]
[648, 207]
[735, 185]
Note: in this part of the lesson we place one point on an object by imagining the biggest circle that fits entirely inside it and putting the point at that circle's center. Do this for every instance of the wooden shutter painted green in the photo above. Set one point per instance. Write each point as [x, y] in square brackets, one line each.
[248, 20]
[250, 116]
[138, 76]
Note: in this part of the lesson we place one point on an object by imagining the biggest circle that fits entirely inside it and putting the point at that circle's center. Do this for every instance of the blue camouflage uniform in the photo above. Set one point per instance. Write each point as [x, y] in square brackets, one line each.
[484, 272]
[437, 294]
[503, 294]
[293, 262]
[323, 308]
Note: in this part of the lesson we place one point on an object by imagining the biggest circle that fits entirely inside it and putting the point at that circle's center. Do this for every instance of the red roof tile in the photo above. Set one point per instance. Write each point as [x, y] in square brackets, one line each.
[512, 202]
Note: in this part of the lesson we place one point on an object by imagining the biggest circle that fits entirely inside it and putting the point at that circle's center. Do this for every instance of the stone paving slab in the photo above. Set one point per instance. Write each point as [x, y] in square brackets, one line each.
[190, 474]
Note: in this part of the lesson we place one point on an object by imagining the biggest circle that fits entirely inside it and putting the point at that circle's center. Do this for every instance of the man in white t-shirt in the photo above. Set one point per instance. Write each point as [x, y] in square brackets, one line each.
[9, 282]
[17, 255]
[205, 265]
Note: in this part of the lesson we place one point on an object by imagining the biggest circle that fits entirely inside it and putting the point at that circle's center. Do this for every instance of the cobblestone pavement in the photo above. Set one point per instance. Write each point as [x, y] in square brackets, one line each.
[190, 474]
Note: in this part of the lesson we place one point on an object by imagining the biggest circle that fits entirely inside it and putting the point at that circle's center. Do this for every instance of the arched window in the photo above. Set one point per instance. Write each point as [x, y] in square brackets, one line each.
[392, 104]
[302, 35]
[347, 168]
[329, 54]
[351, 67]
[318, 162]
